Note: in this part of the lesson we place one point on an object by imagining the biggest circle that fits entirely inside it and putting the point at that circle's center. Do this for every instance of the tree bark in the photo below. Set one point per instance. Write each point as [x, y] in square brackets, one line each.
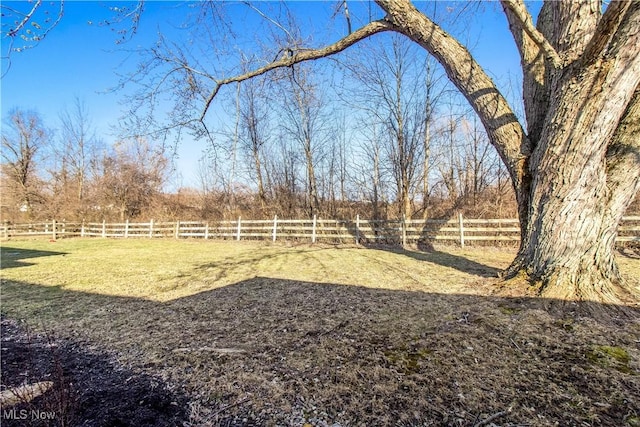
[569, 245]
[576, 200]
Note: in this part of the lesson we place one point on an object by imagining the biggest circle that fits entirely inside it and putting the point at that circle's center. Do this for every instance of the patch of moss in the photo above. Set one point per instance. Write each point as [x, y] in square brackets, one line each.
[633, 421]
[566, 324]
[506, 310]
[611, 357]
[408, 361]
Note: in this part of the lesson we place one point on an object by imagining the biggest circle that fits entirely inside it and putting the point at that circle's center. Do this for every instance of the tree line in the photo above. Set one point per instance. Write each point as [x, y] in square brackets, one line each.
[292, 145]
[389, 139]
[70, 173]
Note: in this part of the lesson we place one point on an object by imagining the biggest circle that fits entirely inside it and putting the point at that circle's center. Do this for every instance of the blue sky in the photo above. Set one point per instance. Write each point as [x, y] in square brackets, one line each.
[80, 59]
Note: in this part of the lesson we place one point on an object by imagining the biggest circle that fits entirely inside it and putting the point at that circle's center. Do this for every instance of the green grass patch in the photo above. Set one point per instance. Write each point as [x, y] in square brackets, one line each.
[164, 270]
[611, 357]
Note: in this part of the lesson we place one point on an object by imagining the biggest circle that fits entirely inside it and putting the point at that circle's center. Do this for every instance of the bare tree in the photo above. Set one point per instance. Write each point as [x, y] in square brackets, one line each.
[393, 95]
[450, 166]
[131, 177]
[303, 111]
[336, 174]
[575, 164]
[282, 176]
[254, 118]
[479, 160]
[371, 180]
[466, 158]
[431, 98]
[77, 148]
[24, 137]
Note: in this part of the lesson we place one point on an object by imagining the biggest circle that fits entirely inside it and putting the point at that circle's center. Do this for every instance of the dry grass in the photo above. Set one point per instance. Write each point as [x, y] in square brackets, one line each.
[261, 334]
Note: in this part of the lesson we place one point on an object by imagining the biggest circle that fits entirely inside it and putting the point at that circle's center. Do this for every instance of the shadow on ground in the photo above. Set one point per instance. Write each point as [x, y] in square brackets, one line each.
[269, 351]
[445, 259]
[89, 388]
[13, 257]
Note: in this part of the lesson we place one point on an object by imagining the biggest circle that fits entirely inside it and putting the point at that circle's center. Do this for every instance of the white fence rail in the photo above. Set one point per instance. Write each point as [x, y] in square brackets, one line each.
[359, 231]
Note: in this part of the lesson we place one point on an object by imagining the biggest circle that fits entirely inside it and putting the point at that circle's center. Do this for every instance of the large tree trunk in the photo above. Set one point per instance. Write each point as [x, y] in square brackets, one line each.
[577, 201]
[568, 247]
[578, 191]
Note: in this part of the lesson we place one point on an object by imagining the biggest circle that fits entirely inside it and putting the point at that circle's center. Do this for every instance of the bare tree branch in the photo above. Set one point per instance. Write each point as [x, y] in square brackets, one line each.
[34, 34]
[128, 15]
[290, 37]
[519, 10]
[341, 5]
[290, 58]
[535, 74]
[26, 19]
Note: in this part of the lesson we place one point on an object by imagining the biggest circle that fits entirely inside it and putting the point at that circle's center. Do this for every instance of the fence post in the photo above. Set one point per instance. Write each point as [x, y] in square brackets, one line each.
[357, 229]
[239, 228]
[5, 229]
[177, 230]
[313, 230]
[151, 229]
[53, 229]
[82, 229]
[104, 228]
[206, 230]
[275, 228]
[404, 230]
[461, 227]
[126, 228]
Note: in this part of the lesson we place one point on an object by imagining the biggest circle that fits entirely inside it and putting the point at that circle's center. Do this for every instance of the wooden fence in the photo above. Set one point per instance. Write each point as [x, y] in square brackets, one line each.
[358, 231]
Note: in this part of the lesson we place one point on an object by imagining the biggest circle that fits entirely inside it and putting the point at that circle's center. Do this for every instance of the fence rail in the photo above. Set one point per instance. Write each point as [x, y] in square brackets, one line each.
[359, 231]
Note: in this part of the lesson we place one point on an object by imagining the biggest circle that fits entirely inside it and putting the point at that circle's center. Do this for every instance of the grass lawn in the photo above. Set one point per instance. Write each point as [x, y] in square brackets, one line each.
[276, 334]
